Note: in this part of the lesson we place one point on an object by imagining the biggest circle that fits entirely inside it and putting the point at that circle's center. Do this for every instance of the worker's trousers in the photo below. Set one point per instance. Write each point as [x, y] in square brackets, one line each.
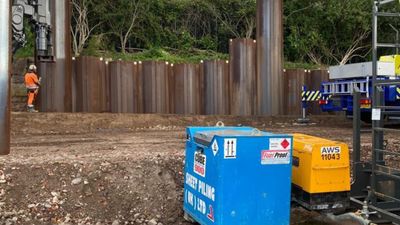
[32, 93]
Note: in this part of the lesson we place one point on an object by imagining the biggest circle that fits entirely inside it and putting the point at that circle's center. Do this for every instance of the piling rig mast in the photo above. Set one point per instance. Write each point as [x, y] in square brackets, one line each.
[38, 13]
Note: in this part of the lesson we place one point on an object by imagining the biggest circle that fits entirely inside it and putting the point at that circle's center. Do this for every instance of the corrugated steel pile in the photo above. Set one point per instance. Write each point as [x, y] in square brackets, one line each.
[242, 82]
[213, 87]
[216, 88]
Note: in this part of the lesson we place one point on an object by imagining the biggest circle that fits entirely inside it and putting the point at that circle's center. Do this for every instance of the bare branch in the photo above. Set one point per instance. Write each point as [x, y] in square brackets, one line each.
[81, 30]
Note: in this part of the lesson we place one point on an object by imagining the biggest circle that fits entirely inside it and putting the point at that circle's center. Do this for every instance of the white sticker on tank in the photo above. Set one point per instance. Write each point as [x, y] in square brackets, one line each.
[280, 144]
[215, 147]
[200, 162]
[230, 148]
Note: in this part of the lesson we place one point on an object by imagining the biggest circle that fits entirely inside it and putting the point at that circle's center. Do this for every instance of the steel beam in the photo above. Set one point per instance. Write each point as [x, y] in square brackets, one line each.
[269, 57]
[375, 99]
[385, 2]
[5, 71]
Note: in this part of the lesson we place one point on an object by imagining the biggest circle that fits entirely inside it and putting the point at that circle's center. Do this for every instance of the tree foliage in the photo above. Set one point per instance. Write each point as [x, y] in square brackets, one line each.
[315, 31]
[327, 31]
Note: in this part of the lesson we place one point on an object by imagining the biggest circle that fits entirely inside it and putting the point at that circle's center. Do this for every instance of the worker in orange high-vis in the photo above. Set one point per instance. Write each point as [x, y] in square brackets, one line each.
[32, 84]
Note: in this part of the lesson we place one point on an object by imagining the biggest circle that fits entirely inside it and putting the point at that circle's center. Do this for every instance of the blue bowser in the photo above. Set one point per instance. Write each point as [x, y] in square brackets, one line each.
[237, 176]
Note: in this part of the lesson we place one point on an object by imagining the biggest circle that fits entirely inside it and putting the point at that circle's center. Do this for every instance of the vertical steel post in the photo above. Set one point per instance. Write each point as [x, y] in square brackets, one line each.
[56, 93]
[380, 93]
[5, 71]
[304, 105]
[356, 129]
[375, 133]
[62, 71]
[269, 57]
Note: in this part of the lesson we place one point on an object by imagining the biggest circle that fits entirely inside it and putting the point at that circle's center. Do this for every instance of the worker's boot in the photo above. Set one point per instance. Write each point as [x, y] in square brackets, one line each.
[31, 109]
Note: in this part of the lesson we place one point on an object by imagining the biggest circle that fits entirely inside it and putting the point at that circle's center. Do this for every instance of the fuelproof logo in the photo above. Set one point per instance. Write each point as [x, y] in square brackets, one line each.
[200, 161]
[272, 157]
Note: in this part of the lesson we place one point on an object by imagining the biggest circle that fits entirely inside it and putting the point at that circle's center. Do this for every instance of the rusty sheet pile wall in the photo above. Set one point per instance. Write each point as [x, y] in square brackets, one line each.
[270, 57]
[216, 87]
[92, 85]
[156, 87]
[293, 80]
[187, 88]
[316, 78]
[126, 85]
[211, 87]
[242, 81]
[56, 93]
[46, 97]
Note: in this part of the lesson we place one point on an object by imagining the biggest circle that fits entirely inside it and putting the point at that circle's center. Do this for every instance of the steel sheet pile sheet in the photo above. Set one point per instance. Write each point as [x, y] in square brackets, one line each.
[237, 175]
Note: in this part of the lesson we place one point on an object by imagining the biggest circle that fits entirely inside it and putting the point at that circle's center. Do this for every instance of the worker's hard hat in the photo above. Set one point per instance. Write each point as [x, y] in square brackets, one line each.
[32, 67]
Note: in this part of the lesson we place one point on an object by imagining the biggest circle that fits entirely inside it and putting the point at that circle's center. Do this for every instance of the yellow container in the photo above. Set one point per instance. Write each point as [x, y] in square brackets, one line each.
[320, 165]
[392, 58]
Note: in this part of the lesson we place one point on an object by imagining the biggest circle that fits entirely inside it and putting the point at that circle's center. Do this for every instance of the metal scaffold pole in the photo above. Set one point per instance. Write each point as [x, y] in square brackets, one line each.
[5, 62]
[374, 91]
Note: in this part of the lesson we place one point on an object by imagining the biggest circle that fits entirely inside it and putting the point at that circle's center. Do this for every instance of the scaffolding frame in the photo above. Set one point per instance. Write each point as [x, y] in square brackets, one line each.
[377, 185]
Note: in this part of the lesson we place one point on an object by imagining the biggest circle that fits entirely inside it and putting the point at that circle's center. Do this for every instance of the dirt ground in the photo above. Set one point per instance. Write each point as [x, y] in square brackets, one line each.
[118, 169]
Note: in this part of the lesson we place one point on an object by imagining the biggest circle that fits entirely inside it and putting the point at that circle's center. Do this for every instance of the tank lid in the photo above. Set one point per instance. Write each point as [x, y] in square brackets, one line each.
[205, 137]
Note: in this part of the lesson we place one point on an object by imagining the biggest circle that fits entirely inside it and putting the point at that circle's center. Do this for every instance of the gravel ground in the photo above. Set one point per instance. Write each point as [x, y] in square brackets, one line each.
[118, 169]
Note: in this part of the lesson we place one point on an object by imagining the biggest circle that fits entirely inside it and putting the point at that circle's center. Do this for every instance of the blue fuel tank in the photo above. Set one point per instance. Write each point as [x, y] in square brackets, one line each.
[237, 175]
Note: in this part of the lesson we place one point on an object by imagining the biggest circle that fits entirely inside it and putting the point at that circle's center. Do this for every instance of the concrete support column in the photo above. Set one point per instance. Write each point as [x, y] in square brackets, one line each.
[270, 57]
[5, 71]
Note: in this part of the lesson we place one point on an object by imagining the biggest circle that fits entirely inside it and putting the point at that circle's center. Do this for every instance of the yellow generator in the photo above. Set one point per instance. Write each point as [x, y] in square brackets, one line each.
[321, 174]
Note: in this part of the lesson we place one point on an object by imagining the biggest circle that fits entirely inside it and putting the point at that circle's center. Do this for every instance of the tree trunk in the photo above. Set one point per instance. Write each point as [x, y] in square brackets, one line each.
[123, 44]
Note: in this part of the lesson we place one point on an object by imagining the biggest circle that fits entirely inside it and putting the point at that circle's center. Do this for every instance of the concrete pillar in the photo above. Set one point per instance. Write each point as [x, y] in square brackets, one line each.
[270, 57]
[5, 71]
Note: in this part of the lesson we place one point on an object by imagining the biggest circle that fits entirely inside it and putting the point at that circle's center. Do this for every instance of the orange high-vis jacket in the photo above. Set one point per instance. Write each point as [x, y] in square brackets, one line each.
[31, 81]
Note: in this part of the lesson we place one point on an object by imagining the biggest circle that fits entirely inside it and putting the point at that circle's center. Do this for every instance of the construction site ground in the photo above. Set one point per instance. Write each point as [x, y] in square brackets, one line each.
[120, 168]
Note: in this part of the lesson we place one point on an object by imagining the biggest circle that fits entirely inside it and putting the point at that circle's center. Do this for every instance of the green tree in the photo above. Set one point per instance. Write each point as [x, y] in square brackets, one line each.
[327, 31]
[122, 17]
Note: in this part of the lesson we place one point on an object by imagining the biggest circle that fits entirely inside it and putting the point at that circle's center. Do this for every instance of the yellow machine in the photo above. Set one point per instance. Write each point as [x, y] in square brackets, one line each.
[321, 173]
[394, 59]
